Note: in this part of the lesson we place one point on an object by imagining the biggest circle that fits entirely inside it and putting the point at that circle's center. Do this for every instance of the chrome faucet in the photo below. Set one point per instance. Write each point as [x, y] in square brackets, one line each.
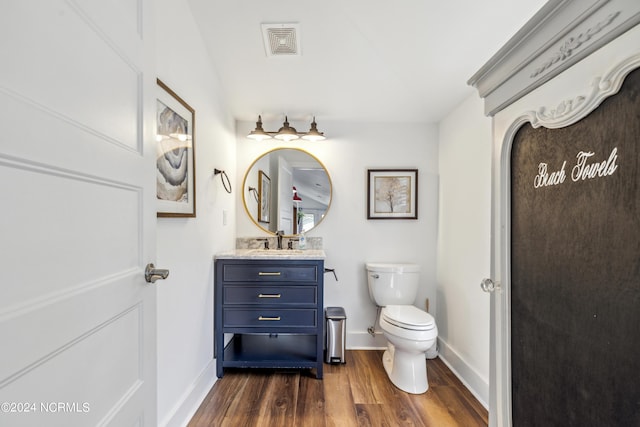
[279, 235]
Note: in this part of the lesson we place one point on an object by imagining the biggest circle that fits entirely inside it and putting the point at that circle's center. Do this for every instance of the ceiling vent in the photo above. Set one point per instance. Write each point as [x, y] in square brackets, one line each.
[281, 39]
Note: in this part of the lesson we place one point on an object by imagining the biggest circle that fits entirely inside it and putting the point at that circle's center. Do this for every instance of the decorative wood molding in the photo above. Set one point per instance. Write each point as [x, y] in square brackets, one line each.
[562, 33]
[574, 43]
[573, 110]
[566, 113]
[565, 108]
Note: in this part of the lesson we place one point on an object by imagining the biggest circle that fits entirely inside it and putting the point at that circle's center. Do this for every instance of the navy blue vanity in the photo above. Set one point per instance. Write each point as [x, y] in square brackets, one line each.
[272, 303]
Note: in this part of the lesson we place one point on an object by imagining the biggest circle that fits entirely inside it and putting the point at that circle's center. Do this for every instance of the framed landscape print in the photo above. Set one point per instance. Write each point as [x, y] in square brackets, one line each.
[264, 197]
[175, 158]
[392, 194]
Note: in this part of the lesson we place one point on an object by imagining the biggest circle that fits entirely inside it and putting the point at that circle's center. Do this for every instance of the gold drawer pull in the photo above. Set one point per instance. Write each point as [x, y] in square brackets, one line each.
[269, 295]
[268, 318]
[268, 273]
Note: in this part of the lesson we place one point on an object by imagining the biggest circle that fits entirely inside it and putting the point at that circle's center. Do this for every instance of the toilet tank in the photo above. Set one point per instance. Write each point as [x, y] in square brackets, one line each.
[392, 284]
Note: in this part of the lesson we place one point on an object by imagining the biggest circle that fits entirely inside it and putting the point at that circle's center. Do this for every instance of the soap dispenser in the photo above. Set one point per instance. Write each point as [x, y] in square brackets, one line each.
[302, 241]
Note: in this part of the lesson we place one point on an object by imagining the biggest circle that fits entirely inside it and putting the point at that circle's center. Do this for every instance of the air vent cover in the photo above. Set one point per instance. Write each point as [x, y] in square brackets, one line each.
[281, 39]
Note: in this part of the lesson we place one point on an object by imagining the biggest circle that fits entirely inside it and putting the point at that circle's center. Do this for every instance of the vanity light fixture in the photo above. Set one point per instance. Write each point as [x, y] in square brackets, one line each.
[286, 132]
[258, 133]
[313, 134]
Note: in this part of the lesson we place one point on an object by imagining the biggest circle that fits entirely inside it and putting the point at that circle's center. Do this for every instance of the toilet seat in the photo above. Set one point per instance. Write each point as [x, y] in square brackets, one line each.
[408, 317]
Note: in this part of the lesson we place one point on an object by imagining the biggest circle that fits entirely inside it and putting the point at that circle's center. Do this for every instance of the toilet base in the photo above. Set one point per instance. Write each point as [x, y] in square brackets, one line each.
[407, 371]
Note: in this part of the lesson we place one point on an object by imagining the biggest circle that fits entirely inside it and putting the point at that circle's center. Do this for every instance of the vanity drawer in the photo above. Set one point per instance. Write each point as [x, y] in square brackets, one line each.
[269, 318]
[273, 295]
[269, 272]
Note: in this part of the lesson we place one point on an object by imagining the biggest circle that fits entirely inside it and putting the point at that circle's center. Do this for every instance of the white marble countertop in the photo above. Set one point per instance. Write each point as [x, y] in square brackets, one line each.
[272, 254]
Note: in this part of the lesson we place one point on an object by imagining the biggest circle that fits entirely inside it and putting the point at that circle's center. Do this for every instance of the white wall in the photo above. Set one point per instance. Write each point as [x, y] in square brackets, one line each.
[350, 239]
[464, 244]
[186, 369]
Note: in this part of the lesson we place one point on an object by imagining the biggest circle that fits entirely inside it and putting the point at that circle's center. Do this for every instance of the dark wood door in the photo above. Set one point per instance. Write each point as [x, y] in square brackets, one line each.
[575, 268]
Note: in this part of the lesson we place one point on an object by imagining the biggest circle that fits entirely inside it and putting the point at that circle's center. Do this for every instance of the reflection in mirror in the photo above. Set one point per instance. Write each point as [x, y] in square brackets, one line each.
[287, 189]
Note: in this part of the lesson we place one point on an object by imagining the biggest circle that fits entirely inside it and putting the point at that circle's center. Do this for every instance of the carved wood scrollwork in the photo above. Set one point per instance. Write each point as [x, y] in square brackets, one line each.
[574, 43]
[574, 109]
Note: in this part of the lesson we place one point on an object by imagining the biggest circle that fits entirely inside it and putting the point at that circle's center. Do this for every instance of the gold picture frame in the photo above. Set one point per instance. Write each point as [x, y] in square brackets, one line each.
[175, 160]
[264, 197]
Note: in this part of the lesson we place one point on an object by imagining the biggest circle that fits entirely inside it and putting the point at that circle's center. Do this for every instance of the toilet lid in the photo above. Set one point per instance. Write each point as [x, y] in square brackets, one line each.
[408, 317]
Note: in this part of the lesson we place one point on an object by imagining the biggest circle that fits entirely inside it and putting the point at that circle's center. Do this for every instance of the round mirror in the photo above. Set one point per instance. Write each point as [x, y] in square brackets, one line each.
[286, 189]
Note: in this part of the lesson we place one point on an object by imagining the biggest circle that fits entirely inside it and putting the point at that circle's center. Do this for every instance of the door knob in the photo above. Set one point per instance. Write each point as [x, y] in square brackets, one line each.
[151, 274]
[489, 285]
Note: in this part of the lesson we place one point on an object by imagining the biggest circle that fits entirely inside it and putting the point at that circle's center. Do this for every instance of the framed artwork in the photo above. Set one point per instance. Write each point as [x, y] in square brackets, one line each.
[264, 196]
[392, 194]
[175, 158]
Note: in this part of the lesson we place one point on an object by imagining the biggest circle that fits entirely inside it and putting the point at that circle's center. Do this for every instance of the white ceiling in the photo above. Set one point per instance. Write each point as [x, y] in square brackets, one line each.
[362, 60]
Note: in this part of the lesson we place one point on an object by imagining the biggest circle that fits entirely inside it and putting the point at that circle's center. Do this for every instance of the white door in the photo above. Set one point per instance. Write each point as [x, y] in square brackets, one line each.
[285, 196]
[77, 221]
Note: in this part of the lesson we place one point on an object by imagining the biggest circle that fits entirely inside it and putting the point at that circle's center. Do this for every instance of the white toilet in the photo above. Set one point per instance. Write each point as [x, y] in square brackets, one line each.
[410, 332]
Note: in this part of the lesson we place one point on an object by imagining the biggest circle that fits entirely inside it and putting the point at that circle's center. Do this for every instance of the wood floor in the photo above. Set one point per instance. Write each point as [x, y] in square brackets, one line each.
[357, 393]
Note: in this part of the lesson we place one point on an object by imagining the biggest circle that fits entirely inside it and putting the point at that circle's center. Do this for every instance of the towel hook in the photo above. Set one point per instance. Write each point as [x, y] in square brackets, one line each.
[254, 192]
[223, 175]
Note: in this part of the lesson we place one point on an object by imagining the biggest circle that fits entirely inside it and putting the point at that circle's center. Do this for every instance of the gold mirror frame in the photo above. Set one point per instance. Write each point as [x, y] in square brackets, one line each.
[258, 191]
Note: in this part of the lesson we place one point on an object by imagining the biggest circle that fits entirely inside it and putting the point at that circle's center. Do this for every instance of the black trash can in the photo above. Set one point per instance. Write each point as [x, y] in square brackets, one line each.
[336, 330]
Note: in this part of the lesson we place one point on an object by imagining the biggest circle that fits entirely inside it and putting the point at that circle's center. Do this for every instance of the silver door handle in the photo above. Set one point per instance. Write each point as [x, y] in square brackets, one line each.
[489, 285]
[151, 274]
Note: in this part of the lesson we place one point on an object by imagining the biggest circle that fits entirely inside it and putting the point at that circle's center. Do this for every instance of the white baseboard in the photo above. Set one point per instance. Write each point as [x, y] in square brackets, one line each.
[364, 341]
[192, 398]
[477, 385]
